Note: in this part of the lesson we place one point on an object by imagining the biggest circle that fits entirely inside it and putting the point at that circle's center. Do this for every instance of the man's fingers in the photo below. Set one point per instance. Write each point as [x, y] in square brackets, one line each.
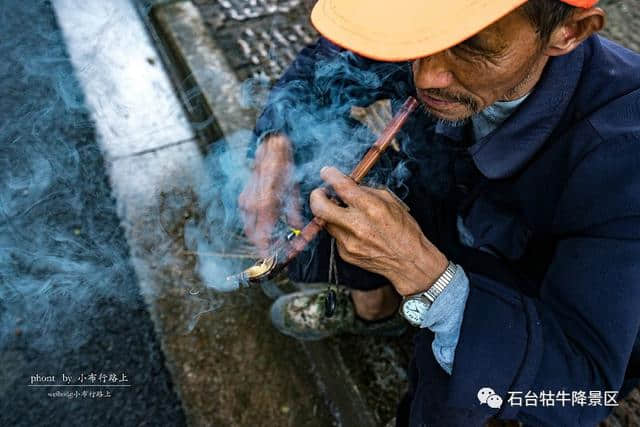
[385, 193]
[249, 219]
[263, 199]
[265, 224]
[345, 187]
[259, 217]
[246, 196]
[293, 211]
[327, 209]
[337, 231]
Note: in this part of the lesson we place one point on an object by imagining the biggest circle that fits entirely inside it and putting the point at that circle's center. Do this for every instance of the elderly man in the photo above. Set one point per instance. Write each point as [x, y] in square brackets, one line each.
[519, 255]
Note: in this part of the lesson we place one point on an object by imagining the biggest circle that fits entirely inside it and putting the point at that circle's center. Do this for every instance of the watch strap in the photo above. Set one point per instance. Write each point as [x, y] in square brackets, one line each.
[441, 283]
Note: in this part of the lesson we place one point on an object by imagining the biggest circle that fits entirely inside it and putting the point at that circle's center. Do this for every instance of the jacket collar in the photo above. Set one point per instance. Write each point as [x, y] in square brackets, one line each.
[509, 147]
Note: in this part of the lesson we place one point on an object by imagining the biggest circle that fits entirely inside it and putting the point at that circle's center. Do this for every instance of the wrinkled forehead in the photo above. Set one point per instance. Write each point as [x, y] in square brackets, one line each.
[512, 28]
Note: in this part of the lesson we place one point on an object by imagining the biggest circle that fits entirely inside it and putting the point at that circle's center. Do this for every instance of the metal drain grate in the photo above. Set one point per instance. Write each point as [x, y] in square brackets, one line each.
[270, 50]
[241, 10]
[260, 38]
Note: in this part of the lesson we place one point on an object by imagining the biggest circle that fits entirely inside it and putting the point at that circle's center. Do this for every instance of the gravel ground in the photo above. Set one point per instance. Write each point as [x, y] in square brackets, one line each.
[623, 20]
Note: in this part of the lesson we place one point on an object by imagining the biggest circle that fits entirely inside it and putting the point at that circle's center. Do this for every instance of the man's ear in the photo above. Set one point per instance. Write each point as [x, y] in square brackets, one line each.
[580, 25]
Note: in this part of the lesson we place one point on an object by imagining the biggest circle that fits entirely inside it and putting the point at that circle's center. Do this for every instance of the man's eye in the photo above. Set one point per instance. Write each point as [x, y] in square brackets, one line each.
[468, 51]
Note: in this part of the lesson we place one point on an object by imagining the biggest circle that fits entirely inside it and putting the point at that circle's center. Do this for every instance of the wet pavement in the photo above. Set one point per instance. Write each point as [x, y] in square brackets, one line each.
[105, 166]
[69, 300]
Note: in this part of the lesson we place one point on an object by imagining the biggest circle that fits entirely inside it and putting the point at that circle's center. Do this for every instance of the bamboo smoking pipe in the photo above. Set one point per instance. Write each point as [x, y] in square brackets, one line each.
[287, 250]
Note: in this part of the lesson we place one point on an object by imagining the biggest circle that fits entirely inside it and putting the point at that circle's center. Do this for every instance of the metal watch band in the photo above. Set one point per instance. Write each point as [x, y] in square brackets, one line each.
[445, 278]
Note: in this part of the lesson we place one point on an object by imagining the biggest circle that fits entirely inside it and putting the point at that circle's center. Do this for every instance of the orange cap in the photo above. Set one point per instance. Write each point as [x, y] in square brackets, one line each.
[581, 3]
[402, 30]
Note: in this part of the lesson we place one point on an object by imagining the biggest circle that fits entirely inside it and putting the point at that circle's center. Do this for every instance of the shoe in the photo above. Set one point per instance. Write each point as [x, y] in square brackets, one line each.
[302, 316]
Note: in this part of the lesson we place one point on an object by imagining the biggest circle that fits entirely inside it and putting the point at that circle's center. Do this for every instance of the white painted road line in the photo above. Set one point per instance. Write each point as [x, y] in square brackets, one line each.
[127, 89]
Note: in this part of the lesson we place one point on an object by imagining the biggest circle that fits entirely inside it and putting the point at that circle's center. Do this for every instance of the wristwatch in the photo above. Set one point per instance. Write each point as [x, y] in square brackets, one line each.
[414, 307]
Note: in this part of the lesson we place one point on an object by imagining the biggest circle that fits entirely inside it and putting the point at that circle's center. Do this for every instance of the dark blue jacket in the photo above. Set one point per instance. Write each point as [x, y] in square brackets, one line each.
[552, 198]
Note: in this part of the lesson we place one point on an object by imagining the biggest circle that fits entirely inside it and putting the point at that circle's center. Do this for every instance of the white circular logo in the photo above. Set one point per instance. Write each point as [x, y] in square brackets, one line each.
[494, 401]
[484, 394]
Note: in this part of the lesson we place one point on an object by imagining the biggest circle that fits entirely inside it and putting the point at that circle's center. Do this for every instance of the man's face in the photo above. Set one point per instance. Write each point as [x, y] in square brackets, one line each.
[502, 62]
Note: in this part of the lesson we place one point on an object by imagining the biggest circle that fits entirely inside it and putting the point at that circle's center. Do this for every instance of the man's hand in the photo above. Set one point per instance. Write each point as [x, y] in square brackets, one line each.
[270, 192]
[376, 232]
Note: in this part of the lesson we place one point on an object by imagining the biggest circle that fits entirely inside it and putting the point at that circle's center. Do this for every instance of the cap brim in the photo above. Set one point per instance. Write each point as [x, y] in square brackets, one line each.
[403, 30]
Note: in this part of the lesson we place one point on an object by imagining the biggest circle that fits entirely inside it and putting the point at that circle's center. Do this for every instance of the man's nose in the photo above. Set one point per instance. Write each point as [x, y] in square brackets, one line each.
[432, 72]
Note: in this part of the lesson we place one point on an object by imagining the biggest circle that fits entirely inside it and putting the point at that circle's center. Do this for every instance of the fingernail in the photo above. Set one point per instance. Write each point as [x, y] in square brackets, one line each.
[324, 168]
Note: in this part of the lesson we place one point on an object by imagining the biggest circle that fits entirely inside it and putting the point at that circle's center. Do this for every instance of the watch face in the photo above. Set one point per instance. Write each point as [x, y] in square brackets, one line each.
[414, 310]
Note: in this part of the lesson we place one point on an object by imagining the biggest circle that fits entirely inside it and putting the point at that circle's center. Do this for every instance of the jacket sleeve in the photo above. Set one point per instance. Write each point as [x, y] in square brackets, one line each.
[311, 102]
[444, 319]
[579, 333]
[292, 89]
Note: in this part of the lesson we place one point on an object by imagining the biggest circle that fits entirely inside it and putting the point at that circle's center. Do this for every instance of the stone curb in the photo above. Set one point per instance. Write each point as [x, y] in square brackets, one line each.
[213, 99]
